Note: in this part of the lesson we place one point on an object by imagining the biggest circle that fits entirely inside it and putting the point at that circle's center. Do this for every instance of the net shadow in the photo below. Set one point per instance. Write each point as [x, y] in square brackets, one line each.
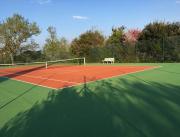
[5, 74]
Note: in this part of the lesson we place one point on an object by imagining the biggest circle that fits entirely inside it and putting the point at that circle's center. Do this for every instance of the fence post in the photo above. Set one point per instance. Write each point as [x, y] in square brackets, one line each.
[163, 47]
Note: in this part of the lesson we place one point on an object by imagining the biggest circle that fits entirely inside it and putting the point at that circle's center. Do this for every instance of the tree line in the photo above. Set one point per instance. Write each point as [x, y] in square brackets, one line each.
[156, 42]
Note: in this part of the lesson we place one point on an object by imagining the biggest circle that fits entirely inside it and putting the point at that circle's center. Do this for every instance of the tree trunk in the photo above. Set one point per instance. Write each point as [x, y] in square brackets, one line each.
[12, 58]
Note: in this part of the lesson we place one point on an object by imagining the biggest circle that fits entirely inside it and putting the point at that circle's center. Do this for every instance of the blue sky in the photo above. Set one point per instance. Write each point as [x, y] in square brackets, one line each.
[72, 17]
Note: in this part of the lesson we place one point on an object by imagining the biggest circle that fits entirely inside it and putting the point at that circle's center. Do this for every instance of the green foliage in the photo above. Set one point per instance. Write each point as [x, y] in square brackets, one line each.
[149, 51]
[64, 49]
[117, 36]
[32, 46]
[130, 53]
[51, 46]
[153, 31]
[29, 56]
[15, 31]
[90, 40]
[154, 43]
[97, 54]
[4, 57]
[158, 42]
[115, 43]
[55, 48]
[172, 49]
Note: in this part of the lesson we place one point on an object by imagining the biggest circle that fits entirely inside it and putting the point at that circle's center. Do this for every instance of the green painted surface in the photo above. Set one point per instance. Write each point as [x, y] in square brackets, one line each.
[144, 104]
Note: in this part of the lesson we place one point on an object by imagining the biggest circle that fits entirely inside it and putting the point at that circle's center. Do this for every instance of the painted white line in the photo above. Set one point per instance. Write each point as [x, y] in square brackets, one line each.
[30, 76]
[56, 80]
[111, 77]
[79, 84]
[65, 72]
[30, 83]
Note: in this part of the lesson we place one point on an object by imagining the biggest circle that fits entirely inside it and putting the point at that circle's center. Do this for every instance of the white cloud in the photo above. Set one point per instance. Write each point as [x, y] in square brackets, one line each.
[41, 2]
[80, 18]
[178, 2]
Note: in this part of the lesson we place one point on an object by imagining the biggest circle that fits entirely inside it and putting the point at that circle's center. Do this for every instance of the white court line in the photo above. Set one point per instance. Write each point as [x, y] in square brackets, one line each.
[78, 84]
[70, 71]
[30, 83]
[30, 76]
[65, 72]
[56, 80]
[112, 77]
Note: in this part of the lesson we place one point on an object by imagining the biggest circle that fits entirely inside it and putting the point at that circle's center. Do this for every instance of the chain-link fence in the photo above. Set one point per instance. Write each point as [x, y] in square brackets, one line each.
[166, 49]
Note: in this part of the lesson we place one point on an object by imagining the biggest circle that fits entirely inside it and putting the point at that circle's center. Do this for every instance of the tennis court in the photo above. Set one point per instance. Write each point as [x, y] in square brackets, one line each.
[134, 100]
[60, 76]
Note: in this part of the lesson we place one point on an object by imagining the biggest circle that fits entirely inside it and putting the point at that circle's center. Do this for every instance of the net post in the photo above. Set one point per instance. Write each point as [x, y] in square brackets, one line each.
[84, 61]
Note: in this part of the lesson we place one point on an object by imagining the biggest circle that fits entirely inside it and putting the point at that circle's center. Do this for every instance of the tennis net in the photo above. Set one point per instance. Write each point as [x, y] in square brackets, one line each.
[23, 65]
[65, 62]
[47, 64]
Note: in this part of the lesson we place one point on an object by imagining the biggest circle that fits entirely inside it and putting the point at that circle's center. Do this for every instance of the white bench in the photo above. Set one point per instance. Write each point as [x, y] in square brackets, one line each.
[108, 60]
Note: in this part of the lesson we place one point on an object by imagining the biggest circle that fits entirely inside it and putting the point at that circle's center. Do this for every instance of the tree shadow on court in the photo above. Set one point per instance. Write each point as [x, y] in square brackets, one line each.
[7, 74]
[103, 109]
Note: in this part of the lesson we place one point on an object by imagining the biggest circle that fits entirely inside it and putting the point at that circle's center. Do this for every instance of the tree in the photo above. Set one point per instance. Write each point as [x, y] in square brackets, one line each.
[14, 32]
[4, 58]
[29, 56]
[115, 43]
[83, 45]
[55, 48]
[31, 46]
[51, 47]
[131, 38]
[63, 50]
[159, 30]
[154, 41]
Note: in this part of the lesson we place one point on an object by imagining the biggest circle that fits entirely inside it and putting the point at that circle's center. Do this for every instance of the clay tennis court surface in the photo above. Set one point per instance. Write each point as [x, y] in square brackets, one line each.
[61, 77]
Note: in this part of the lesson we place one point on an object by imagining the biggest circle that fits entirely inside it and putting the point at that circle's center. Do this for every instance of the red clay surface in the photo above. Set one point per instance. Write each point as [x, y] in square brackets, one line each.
[61, 77]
